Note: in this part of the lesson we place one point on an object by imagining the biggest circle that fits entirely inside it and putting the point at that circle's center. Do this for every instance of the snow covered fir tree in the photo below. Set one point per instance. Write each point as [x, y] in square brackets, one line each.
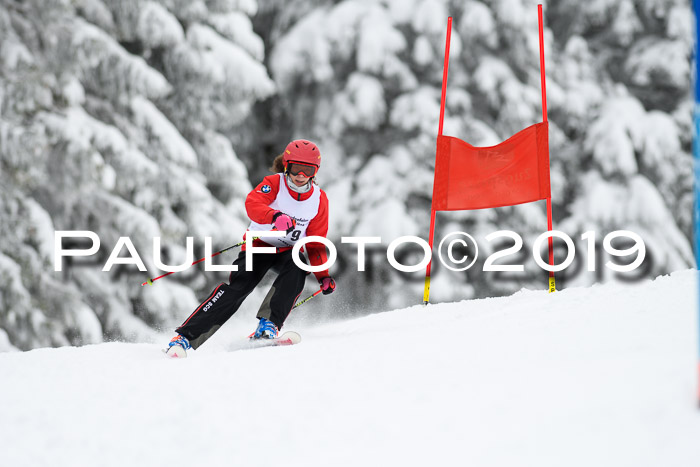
[155, 118]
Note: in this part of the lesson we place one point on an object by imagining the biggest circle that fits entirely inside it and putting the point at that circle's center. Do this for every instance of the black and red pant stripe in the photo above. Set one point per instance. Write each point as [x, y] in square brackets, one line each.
[226, 299]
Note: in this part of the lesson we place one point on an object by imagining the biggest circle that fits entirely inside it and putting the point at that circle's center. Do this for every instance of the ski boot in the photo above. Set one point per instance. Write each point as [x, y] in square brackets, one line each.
[266, 330]
[178, 347]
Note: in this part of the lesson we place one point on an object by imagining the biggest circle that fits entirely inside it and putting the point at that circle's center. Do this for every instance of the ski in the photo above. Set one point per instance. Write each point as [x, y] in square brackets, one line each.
[286, 338]
[175, 352]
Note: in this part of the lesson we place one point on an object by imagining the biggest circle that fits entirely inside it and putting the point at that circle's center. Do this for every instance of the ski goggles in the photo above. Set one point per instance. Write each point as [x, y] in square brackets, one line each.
[295, 168]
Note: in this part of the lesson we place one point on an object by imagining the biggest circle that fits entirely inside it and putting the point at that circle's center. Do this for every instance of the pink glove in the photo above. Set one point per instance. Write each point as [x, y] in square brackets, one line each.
[327, 285]
[283, 222]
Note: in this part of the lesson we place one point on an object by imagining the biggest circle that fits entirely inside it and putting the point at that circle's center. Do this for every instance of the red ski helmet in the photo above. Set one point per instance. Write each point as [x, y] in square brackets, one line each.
[301, 150]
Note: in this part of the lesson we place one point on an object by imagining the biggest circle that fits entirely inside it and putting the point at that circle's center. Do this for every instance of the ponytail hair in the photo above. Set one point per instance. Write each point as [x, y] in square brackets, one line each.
[278, 164]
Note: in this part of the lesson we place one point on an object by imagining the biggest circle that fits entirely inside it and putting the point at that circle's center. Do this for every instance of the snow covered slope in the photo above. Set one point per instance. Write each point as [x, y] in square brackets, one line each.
[601, 376]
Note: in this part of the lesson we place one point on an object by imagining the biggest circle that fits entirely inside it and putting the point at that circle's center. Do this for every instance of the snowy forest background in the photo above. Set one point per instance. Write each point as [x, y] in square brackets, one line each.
[155, 118]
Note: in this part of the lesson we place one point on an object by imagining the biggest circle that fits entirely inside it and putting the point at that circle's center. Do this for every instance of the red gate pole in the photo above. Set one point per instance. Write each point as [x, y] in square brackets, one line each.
[552, 284]
[426, 287]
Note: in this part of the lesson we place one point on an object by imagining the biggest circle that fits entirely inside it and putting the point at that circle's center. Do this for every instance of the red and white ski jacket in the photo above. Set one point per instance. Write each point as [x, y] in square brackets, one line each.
[309, 210]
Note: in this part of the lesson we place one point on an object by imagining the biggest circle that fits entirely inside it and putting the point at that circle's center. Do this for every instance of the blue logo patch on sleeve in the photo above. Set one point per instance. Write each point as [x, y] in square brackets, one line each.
[266, 188]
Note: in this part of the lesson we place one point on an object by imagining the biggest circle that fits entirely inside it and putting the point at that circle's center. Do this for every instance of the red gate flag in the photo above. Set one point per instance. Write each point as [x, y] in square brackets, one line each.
[515, 171]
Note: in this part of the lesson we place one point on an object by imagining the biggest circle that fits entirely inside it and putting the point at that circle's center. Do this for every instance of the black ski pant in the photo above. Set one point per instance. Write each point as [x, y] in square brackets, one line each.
[225, 300]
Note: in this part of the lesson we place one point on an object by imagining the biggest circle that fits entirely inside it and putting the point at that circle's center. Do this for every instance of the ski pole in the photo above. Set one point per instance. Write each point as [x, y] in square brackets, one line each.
[307, 298]
[150, 281]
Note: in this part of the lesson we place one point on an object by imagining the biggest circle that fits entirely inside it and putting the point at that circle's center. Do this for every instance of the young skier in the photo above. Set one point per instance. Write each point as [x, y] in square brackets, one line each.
[288, 201]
